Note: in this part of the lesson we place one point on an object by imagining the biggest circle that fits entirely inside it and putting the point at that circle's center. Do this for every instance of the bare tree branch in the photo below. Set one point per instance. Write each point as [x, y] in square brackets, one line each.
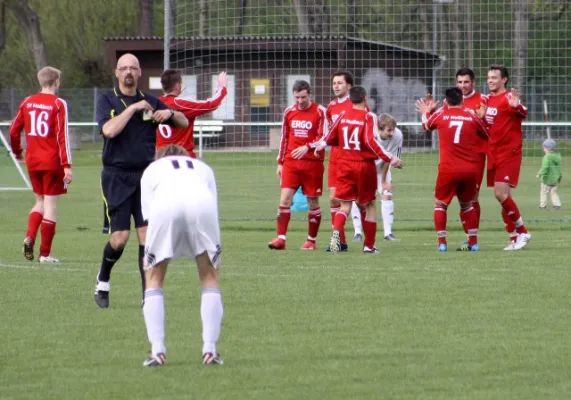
[242, 17]
[146, 14]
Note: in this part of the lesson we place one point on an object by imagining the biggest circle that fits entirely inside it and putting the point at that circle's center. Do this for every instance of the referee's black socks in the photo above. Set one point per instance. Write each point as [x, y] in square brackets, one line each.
[110, 257]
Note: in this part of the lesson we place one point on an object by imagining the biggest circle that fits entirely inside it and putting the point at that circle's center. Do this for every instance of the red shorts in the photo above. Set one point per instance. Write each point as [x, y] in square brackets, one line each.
[304, 173]
[462, 185]
[48, 183]
[332, 173]
[356, 181]
[506, 170]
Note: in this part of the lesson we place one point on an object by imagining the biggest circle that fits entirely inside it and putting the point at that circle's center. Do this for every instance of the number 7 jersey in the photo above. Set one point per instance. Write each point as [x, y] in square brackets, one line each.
[43, 117]
[460, 135]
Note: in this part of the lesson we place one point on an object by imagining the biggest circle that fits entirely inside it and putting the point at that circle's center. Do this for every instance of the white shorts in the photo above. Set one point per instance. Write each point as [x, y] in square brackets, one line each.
[183, 230]
[380, 178]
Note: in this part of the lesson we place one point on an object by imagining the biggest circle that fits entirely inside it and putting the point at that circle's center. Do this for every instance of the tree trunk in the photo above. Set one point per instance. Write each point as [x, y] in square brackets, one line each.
[302, 16]
[173, 18]
[242, 17]
[457, 42]
[426, 46]
[30, 23]
[352, 30]
[520, 45]
[203, 18]
[146, 17]
[2, 25]
[469, 33]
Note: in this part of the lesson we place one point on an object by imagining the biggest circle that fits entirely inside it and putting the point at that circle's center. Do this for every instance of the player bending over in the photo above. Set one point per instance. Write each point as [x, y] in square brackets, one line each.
[43, 116]
[391, 139]
[355, 135]
[178, 198]
[504, 116]
[459, 163]
[303, 123]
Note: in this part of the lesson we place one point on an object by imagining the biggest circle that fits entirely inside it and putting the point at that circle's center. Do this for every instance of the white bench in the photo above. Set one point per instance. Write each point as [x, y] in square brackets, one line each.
[207, 129]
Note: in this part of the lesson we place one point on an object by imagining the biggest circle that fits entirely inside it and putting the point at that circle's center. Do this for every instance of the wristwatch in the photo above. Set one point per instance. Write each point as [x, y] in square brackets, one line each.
[172, 112]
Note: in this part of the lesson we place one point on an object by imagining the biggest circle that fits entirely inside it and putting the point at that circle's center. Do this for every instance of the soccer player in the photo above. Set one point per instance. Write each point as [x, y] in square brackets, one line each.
[504, 116]
[391, 139]
[459, 166]
[127, 119]
[303, 123]
[171, 81]
[355, 135]
[43, 118]
[342, 82]
[178, 197]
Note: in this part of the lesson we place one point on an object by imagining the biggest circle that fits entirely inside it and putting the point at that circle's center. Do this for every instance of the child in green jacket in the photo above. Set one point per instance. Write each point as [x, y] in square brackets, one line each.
[550, 174]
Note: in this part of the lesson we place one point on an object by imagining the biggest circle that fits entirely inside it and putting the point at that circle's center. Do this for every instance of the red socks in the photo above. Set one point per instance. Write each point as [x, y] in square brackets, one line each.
[314, 220]
[34, 222]
[440, 223]
[510, 213]
[48, 231]
[282, 221]
[339, 223]
[370, 230]
[469, 220]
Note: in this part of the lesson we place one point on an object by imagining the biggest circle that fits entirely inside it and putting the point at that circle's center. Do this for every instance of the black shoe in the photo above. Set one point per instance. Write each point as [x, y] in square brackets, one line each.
[211, 359]
[343, 247]
[102, 296]
[28, 249]
[391, 238]
[155, 361]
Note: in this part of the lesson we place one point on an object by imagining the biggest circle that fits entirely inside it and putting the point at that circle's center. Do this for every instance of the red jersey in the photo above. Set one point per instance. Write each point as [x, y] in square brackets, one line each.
[43, 116]
[302, 127]
[460, 132]
[191, 109]
[355, 134]
[334, 109]
[473, 100]
[504, 123]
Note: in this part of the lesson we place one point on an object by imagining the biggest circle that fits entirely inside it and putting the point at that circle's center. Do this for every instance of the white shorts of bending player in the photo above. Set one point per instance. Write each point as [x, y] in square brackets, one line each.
[387, 207]
[184, 228]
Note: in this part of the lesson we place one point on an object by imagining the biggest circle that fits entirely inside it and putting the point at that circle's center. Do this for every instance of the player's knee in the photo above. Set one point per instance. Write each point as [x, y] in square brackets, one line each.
[119, 239]
[386, 195]
[440, 204]
[501, 193]
[313, 202]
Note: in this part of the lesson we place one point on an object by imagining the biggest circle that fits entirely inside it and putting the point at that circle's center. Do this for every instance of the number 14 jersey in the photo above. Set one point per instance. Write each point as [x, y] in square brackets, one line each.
[356, 136]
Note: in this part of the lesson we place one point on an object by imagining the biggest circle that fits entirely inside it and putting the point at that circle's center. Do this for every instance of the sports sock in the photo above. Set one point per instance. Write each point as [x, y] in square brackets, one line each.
[478, 211]
[469, 220]
[370, 229]
[34, 222]
[211, 311]
[510, 227]
[334, 210]
[314, 220]
[387, 211]
[513, 213]
[339, 224]
[48, 231]
[154, 313]
[440, 223]
[356, 218]
[110, 257]
[141, 268]
[284, 214]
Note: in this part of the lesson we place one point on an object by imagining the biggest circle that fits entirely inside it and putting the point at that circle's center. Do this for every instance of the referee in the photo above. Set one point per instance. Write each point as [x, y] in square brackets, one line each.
[127, 119]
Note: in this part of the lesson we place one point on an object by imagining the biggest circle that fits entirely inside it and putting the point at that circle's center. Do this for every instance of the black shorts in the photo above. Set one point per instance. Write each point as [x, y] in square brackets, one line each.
[121, 199]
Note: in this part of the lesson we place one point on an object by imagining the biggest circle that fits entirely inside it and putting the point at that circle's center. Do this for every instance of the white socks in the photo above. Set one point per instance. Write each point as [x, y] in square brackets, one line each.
[211, 311]
[154, 313]
[388, 211]
[356, 217]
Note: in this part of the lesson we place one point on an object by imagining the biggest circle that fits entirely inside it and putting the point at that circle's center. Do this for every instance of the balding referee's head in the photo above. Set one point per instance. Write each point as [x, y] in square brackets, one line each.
[128, 70]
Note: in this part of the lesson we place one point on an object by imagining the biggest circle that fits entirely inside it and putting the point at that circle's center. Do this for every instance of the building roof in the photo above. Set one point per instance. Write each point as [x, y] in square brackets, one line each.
[268, 43]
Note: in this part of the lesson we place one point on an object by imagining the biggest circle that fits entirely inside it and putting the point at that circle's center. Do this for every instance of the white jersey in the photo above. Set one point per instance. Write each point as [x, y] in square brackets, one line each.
[179, 200]
[175, 178]
[394, 144]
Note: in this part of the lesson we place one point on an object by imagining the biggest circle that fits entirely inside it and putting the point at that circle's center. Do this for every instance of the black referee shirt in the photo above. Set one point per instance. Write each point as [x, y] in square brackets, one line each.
[134, 148]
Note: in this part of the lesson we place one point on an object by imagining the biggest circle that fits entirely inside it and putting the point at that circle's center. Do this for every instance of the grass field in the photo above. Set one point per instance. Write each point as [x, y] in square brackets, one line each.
[409, 323]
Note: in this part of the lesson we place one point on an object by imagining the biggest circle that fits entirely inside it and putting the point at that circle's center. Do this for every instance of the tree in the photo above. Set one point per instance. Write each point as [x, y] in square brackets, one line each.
[30, 23]
[146, 17]
[203, 18]
[520, 41]
[2, 25]
[242, 17]
[312, 16]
